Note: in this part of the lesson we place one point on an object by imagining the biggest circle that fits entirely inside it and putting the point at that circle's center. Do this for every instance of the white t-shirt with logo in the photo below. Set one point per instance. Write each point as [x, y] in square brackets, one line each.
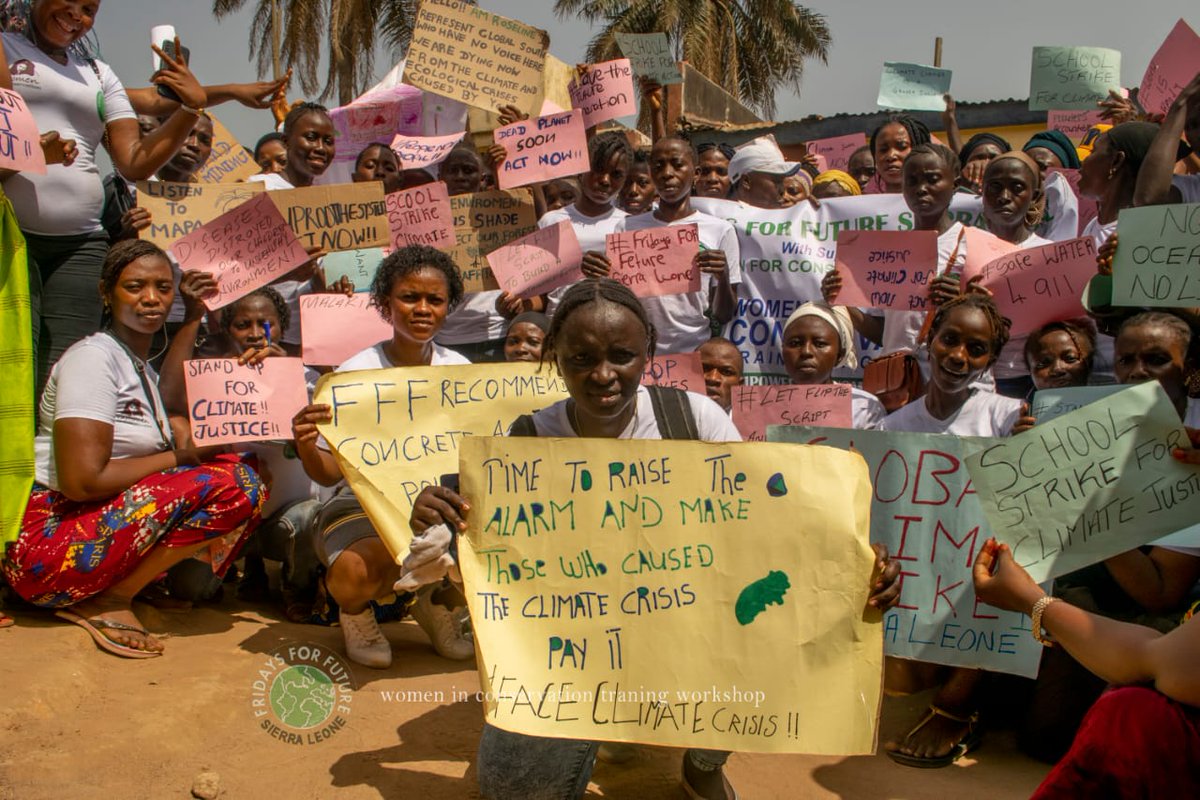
[95, 379]
[591, 232]
[679, 318]
[71, 99]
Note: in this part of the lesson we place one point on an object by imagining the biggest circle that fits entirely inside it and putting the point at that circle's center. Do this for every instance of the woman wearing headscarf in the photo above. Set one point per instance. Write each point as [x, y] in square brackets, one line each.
[835, 183]
[975, 155]
[1052, 149]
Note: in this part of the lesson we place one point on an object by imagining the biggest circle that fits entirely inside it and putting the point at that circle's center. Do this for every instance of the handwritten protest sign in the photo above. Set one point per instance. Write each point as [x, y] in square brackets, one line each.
[484, 221]
[415, 152]
[655, 261]
[924, 508]
[1037, 285]
[1048, 404]
[1172, 67]
[538, 262]
[786, 252]
[603, 91]
[597, 569]
[1158, 256]
[229, 161]
[913, 87]
[177, 209]
[334, 327]
[542, 148]
[837, 150]
[377, 117]
[1072, 77]
[651, 56]
[1088, 485]
[886, 269]
[230, 402]
[20, 140]
[397, 431]
[343, 216]
[1075, 124]
[357, 266]
[482, 59]
[678, 371]
[421, 215]
[757, 407]
[245, 248]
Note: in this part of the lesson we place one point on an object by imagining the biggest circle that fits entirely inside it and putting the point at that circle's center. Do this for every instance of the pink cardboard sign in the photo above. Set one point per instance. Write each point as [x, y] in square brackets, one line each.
[886, 269]
[20, 141]
[756, 407]
[538, 262]
[1040, 284]
[421, 215]
[1088, 207]
[416, 152]
[836, 150]
[603, 91]
[334, 327]
[376, 117]
[1172, 67]
[655, 261]
[542, 148]
[679, 371]
[982, 248]
[1075, 124]
[229, 402]
[245, 248]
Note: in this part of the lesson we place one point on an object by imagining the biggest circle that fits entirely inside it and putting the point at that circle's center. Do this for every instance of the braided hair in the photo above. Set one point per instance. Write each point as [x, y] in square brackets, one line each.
[121, 255]
[980, 302]
[406, 261]
[275, 298]
[604, 146]
[918, 132]
[1177, 327]
[1080, 332]
[299, 110]
[596, 291]
[947, 157]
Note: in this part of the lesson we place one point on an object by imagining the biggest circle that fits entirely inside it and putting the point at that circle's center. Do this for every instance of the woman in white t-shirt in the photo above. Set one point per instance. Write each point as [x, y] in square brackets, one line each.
[115, 501]
[414, 289]
[817, 339]
[59, 212]
[967, 335]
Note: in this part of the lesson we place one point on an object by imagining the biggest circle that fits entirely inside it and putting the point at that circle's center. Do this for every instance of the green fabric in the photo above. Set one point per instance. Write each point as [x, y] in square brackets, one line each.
[16, 383]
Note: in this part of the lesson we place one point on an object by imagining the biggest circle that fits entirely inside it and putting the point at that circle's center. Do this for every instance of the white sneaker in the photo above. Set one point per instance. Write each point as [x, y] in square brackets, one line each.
[442, 626]
[365, 643]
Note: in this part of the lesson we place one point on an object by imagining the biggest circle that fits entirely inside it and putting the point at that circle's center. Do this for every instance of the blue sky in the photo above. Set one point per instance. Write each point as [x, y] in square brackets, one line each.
[987, 45]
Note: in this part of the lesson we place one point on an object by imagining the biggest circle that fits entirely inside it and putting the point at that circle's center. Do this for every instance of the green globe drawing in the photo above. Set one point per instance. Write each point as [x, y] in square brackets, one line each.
[302, 696]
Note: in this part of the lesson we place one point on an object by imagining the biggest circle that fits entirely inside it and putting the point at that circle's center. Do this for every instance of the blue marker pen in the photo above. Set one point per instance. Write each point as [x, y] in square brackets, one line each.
[267, 328]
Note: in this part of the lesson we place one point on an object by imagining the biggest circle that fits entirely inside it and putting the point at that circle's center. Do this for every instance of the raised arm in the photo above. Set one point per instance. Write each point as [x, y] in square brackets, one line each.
[146, 100]
[1154, 178]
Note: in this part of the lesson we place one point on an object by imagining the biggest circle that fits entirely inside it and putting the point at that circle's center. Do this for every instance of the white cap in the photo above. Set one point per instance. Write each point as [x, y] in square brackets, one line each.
[760, 155]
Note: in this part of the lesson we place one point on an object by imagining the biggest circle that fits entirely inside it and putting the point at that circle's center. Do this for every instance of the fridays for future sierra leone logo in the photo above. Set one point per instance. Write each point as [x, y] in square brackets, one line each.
[301, 694]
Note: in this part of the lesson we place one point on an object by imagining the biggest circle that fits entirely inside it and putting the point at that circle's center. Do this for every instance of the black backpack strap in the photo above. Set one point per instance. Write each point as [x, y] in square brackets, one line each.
[523, 426]
[673, 413]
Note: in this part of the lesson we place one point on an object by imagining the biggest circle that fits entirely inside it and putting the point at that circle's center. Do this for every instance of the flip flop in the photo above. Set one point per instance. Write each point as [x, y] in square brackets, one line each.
[94, 626]
[969, 741]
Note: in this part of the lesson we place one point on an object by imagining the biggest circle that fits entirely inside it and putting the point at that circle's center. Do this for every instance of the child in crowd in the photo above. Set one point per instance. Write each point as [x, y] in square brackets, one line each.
[638, 194]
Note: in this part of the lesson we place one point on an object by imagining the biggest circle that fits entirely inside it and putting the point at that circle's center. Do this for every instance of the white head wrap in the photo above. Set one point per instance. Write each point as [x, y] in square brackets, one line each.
[839, 318]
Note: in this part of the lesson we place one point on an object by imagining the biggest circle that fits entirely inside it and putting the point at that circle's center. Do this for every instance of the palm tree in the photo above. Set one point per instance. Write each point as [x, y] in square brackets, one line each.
[294, 29]
[749, 47]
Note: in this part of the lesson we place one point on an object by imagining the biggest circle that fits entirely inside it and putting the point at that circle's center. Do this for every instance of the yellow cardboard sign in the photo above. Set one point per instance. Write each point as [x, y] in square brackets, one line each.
[229, 161]
[674, 593]
[336, 217]
[484, 221]
[396, 431]
[177, 209]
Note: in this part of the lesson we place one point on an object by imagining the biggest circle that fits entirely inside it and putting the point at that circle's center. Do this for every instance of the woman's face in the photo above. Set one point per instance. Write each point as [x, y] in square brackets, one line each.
[462, 172]
[811, 349]
[961, 350]
[418, 304]
[928, 189]
[1057, 363]
[375, 165]
[142, 296]
[1044, 157]
[761, 190]
[560, 194]
[524, 342]
[827, 189]
[637, 195]
[861, 167]
[1094, 172]
[1009, 188]
[892, 147]
[600, 186]
[310, 146]
[673, 170]
[248, 328]
[982, 152]
[712, 174]
[794, 190]
[601, 353]
[1152, 353]
[272, 157]
[61, 23]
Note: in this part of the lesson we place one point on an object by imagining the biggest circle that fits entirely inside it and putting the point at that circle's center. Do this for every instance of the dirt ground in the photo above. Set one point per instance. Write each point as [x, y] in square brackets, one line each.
[77, 723]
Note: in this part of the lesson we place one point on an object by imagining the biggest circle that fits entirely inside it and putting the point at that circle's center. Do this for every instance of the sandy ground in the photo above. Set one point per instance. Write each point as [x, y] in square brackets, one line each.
[78, 723]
